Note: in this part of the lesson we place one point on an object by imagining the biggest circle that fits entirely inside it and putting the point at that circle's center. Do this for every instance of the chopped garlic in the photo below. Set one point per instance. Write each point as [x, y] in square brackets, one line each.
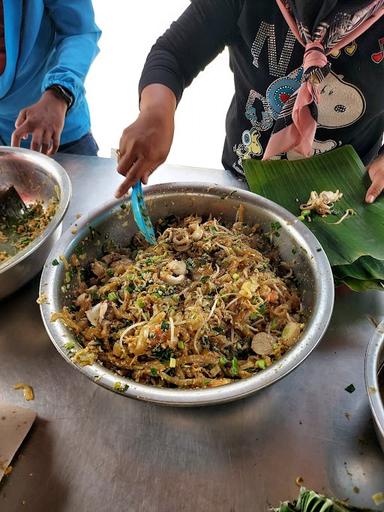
[96, 314]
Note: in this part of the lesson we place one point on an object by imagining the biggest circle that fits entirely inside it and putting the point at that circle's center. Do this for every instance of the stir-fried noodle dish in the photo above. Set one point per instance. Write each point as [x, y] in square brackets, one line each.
[18, 233]
[207, 305]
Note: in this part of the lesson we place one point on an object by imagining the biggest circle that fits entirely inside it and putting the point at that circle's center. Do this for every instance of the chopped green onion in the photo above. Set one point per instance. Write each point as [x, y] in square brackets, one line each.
[304, 214]
[55, 263]
[351, 388]
[274, 323]
[261, 364]
[80, 249]
[204, 279]
[70, 345]
[130, 288]
[119, 387]
[113, 297]
[163, 354]
[190, 264]
[275, 226]
[181, 345]
[235, 276]
[262, 309]
[223, 360]
[164, 325]
[140, 303]
[234, 366]
[154, 372]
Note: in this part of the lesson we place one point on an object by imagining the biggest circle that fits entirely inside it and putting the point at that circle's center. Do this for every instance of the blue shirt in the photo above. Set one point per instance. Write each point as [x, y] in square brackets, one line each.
[47, 42]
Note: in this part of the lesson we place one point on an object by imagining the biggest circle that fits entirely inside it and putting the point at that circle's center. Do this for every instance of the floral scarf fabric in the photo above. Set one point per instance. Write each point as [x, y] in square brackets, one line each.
[321, 26]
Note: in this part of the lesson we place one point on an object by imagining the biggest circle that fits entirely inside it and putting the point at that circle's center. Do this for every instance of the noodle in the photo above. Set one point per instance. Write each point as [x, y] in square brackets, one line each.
[189, 311]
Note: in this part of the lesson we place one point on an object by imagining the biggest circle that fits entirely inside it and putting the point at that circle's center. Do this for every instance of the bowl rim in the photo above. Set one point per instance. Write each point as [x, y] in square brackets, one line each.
[64, 200]
[197, 397]
[371, 368]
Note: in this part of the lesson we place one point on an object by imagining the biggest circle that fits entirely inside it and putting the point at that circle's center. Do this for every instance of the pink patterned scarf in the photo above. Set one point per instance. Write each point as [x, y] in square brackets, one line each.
[296, 125]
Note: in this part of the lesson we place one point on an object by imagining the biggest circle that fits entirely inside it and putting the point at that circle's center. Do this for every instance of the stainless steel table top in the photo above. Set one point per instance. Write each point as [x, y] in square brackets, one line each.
[93, 450]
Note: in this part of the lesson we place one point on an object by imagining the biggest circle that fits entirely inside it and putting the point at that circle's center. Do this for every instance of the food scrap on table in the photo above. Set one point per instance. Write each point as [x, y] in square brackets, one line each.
[8, 470]
[27, 391]
[378, 498]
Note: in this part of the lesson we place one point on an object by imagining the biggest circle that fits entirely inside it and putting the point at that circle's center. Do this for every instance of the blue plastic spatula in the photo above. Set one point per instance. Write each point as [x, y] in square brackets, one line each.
[141, 215]
[140, 212]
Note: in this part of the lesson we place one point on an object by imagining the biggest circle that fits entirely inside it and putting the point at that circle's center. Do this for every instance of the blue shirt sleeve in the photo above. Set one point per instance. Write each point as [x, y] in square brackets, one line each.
[75, 43]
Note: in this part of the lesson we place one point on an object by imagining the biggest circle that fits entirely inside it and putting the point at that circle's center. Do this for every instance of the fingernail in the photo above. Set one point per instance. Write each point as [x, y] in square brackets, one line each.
[370, 198]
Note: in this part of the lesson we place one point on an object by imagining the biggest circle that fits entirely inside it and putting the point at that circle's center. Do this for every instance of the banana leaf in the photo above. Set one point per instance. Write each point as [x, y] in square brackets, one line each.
[359, 285]
[355, 247]
[364, 268]
[310, 501]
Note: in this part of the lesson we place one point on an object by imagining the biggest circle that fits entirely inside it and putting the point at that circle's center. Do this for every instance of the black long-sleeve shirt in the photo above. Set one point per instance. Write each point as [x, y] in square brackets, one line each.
[266, 61]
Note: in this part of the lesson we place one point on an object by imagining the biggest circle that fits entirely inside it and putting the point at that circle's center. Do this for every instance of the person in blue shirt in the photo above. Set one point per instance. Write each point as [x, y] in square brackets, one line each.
[46, 49]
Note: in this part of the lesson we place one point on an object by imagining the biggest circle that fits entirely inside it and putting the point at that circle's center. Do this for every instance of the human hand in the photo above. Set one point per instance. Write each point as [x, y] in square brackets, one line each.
[44, 121]
[145, 144]
[376, 173]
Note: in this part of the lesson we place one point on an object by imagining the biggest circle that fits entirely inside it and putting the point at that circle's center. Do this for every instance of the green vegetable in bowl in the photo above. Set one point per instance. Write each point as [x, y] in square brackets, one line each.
[310, 501]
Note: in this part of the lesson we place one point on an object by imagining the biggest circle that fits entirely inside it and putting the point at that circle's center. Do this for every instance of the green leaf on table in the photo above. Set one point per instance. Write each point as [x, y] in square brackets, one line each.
[355, 247]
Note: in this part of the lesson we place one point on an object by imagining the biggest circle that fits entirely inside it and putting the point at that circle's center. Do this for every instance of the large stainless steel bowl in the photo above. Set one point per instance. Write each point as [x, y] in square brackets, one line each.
[36, 177]
[296, 244]
[374, 363]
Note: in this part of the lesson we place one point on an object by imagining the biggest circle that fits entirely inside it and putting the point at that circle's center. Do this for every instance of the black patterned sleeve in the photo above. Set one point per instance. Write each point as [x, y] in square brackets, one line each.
[192, 42]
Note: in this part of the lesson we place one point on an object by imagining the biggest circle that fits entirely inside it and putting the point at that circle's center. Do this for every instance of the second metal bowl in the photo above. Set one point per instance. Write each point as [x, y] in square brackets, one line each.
[36, 178]
[296, 244]
[374, 366]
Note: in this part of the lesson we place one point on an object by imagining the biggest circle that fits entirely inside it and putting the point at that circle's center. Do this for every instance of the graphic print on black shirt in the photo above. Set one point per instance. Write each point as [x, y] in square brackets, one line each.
[266, 61]
[341, 103]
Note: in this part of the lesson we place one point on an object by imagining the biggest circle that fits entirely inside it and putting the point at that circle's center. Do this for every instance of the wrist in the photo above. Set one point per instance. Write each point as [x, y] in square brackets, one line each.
[158, 100]
[61, 94]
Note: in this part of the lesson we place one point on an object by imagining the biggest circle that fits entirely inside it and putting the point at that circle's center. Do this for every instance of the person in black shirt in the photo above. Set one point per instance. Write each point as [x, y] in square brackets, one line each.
[307, 74]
